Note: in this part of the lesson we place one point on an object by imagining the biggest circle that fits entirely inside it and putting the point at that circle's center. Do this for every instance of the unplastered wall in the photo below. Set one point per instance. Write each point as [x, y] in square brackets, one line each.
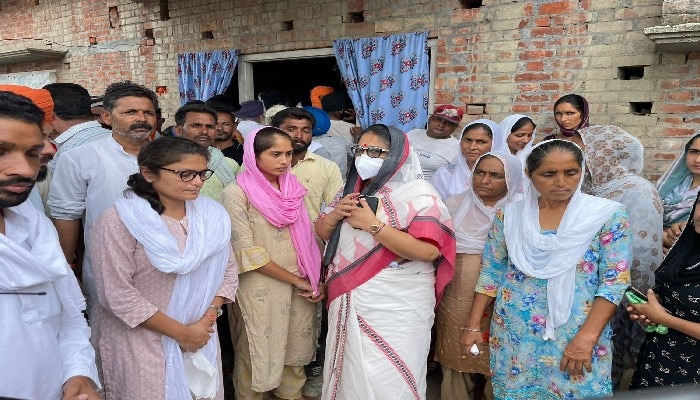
[499, 58]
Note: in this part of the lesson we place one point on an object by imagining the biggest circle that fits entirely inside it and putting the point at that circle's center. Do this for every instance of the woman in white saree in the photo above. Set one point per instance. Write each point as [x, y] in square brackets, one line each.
[386, 272]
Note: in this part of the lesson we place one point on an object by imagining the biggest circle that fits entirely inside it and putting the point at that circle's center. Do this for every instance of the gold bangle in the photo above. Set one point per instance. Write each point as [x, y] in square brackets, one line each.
[464, 328]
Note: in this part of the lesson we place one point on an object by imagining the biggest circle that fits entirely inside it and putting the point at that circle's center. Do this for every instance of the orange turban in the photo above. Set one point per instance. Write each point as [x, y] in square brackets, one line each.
[318, 92]
[40, 97]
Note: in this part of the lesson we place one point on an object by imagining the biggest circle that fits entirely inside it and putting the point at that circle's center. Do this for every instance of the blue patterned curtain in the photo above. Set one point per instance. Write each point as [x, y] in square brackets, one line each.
[205, 74]
[387, 78]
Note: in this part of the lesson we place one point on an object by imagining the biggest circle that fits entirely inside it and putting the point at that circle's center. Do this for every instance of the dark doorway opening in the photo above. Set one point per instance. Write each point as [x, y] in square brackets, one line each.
[295, 78]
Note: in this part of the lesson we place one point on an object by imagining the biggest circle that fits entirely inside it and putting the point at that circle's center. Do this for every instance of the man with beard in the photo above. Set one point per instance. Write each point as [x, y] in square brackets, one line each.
[42, 99]
[435, 146]
[44, 339]
[227, 139]
[197, 122]
[88, 179]
[320, 177]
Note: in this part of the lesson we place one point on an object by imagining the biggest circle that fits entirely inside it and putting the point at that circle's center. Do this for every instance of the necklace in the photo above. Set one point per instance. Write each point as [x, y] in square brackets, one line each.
[182, 225]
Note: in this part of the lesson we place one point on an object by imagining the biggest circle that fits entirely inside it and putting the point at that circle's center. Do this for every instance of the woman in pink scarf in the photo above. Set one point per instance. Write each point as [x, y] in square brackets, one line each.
[273, 322]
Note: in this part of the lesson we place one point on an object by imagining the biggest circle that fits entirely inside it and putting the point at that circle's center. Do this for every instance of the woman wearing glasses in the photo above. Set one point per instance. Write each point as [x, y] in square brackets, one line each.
[273, 323]
[382, 280]
[164, 267]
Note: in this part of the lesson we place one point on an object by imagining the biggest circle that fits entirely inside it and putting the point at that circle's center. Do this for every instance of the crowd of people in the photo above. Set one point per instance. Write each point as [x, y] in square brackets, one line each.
[247, 241]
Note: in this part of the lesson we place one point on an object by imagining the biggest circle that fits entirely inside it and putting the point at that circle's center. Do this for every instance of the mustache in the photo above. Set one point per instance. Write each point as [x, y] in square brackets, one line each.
[141, 125]
[18, 181]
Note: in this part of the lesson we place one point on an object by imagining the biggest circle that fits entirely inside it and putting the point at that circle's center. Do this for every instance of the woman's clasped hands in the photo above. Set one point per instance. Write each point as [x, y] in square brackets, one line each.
[194, 336]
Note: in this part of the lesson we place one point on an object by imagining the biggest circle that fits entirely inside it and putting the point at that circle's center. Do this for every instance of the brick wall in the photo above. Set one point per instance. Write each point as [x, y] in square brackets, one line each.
[500, 58]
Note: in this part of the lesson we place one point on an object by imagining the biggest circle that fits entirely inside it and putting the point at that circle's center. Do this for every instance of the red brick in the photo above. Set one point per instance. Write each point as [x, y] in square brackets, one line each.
[695, 83]
[573, 64]
[535, 66]
[542, 21]
[559, 7]
[672, 120]
[536, 54]
[671, 83]
[547, 31]
[529, 77]
[550, 86]
[677, 96]
[664, 156]
[683, 132]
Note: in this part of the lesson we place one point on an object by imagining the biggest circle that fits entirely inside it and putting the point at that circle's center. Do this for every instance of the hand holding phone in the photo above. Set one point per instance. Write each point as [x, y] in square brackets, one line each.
[372, 202]
[635, 296]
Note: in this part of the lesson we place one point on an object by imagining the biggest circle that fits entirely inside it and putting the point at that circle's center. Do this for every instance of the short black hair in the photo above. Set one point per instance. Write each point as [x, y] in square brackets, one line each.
[181, 113]
[291, 113]
[20, 108]
[119, 90]
[70, 101]
[222, 103]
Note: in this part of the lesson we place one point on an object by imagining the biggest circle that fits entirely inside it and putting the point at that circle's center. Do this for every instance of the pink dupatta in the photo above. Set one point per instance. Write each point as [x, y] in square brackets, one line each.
[282, 208]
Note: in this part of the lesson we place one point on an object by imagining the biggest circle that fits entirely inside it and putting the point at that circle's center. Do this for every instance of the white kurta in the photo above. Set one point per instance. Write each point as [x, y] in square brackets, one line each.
[88, 180]
[41, 343]
[433, 153]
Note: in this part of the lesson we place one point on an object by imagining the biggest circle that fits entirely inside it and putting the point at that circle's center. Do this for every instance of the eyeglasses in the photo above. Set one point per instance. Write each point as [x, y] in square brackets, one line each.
[371, 151]
[188, 174]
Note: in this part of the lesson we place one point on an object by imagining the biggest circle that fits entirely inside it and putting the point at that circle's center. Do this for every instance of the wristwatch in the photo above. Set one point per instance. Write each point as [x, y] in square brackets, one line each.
[375, 228]
[219, 310]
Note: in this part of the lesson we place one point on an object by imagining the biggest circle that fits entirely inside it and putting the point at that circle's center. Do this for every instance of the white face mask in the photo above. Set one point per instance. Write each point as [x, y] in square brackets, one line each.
[368, 167]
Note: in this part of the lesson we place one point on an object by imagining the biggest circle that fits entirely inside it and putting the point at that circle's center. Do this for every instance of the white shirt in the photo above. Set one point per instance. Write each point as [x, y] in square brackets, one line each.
[247, 127]
[337, 149]
[433, 153]
[341, 129]
[76, 136]
[88, 180]
[41, 346]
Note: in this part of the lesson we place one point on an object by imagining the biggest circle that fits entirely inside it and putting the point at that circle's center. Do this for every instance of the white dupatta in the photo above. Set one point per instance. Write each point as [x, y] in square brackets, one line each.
[20, 268]
[555, 256]
[455, 179]
[200, 268]
[471, 217]
[506, 128]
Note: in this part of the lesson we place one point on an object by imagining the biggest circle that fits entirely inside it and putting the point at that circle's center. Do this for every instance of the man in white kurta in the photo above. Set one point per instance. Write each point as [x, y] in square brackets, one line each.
[90, 178]
[45, 351]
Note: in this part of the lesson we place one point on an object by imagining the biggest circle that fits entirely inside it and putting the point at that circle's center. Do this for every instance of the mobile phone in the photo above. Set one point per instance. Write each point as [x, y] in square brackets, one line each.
[372, 201]
[638, 293]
